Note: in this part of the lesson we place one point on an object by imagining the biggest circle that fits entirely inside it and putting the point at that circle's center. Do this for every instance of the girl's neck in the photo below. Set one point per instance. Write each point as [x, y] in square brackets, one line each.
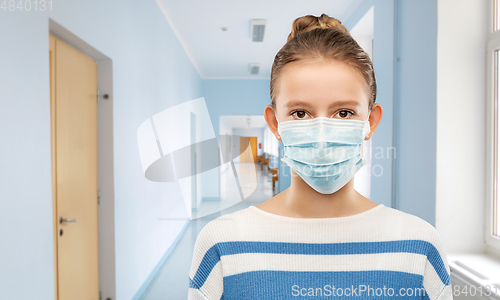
[300, 200]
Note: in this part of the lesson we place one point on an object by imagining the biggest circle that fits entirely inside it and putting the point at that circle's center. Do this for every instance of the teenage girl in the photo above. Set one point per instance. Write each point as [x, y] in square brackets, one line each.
[320, 238]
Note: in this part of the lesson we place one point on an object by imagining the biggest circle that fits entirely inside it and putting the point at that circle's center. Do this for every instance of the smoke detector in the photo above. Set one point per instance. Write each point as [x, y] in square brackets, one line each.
[257, 28]
[254, 68]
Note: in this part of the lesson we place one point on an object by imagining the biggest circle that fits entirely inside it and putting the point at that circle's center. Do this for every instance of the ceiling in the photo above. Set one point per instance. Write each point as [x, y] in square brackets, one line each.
[218, 54]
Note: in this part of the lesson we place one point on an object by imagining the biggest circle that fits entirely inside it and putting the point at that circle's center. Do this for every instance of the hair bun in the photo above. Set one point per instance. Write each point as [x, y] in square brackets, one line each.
[310, 22]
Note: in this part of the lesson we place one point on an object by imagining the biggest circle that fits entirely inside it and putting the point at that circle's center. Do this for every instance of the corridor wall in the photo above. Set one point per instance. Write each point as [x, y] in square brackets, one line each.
[151, 72]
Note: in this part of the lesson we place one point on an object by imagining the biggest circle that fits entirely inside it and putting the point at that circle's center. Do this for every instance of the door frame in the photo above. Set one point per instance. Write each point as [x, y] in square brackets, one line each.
[105, 158]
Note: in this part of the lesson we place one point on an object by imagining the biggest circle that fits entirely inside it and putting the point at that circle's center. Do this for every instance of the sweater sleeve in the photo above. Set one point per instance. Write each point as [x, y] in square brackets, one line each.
[437, 281]
[205, 275]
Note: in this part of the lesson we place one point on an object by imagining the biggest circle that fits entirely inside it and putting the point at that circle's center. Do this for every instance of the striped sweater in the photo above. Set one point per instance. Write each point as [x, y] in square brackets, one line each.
[381, 253]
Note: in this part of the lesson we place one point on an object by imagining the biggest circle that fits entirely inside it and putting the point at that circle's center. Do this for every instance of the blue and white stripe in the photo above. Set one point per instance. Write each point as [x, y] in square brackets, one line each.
[229, 263]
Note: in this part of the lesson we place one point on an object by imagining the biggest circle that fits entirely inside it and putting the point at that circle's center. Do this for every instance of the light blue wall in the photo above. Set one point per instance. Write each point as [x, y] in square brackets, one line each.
[405, 66]
[151, 72]
[384, 64]
[235, 97]
[417, 108]
[383, 61]
[232, 97]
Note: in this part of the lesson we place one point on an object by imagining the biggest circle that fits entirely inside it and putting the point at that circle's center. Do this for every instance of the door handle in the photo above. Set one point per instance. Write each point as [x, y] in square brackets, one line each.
[61, 220]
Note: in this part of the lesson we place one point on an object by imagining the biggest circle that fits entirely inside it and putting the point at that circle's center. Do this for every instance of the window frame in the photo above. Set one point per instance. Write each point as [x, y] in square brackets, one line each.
[492, 139]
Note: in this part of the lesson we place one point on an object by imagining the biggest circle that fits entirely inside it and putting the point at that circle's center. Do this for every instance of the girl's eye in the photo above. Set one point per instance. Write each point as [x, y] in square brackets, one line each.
[344, 114]
[299, 114]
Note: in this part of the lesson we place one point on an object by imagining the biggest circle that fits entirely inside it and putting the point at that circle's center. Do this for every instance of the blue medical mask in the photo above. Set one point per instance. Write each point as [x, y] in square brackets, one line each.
[324, 152]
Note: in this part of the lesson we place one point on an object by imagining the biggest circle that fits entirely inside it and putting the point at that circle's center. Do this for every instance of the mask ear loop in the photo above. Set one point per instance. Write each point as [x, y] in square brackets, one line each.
[278, 137]
[369, 129]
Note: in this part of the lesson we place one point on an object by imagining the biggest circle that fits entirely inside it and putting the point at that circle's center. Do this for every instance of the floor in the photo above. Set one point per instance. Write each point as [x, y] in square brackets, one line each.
[172, 281]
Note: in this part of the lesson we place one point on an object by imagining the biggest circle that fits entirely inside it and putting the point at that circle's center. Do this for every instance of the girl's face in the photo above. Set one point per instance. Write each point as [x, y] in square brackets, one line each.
[315, 88]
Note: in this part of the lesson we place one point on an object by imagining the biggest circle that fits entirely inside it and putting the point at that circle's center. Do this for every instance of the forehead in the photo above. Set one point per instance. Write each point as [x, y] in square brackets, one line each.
[321, 82]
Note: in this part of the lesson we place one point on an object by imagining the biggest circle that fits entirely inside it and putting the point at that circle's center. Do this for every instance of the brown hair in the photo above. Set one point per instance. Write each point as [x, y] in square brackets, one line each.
[323, 38]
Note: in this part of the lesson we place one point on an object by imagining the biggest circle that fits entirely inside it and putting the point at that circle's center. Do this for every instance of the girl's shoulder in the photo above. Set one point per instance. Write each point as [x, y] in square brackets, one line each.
[380, 224]
[408, 226]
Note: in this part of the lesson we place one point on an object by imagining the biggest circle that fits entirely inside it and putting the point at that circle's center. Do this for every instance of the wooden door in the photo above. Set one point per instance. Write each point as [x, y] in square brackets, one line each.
[244, 156]
[248, 143]
[73, 87]
[253, 146]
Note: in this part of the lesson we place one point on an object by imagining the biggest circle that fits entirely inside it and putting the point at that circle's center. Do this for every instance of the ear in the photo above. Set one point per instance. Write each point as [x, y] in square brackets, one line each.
[375, 117]
[271, 121]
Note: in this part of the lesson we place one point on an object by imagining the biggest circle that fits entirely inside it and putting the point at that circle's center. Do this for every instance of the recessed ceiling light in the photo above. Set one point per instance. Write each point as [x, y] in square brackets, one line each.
[254, 68]
[257, 29]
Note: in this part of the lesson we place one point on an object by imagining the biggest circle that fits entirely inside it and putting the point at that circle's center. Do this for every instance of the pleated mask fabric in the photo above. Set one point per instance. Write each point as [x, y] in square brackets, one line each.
[324, 152]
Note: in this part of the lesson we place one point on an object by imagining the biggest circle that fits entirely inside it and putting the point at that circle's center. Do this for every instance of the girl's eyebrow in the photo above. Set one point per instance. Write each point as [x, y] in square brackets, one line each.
[344, 102]
[294, 103]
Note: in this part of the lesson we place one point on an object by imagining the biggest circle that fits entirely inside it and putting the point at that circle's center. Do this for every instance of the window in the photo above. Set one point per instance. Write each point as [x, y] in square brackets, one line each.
[495, 77]
[493, 131]
[496, 14]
